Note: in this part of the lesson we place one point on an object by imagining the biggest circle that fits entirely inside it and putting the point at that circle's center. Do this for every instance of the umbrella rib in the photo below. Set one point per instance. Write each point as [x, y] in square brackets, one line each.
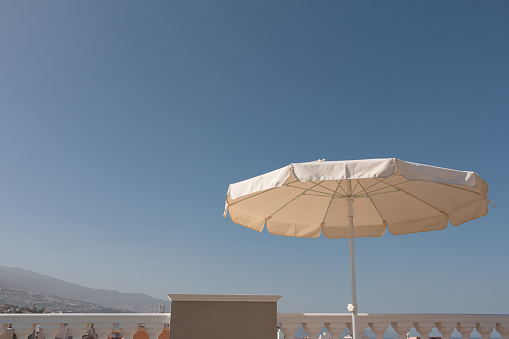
[280, 208]
[459, 188]
[374, 205]
[380, 189]
[443, 183]
[328, 207]
[339, 183]
[309, 189]
[378, 193]
[328, 189]
[356, 184]
[383, 181]
[413, 196]
[319, 193]
[380, 181]
[252, 196]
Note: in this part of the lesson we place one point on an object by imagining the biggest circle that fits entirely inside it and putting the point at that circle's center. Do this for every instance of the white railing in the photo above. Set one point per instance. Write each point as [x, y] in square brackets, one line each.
[335, 323]
[53, 325]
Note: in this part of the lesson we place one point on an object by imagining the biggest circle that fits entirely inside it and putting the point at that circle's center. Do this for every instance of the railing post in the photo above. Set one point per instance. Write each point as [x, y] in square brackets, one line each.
[424, 328]
[50, 331]
[153, 330]
[503, 329]
[465, 329]
[335, 329]
[23, 330]
[402, 329]
[77, 330]
[288, 329]
[485, 329]
[313, 328]
[446, 329]
[379, 329]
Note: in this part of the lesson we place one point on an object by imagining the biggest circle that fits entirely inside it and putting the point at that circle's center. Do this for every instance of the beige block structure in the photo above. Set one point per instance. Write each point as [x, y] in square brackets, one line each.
[200, 316]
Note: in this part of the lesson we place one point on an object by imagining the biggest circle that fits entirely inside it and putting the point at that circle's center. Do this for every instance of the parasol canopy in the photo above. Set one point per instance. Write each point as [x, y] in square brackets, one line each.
[307, 199]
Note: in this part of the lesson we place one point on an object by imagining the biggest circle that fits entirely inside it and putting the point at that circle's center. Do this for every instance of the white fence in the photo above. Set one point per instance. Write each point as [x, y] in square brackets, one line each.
[312, 323]
[289, 323]
[77, 325]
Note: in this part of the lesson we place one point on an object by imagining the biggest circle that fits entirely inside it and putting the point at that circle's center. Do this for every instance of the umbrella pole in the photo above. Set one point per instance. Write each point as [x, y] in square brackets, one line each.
[353, 306]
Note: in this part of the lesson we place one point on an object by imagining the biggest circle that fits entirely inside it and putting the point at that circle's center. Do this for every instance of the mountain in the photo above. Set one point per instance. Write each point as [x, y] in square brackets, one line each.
[18, 278]
[21, 297]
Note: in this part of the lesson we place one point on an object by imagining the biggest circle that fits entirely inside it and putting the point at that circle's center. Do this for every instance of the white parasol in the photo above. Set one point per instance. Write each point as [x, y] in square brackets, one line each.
[308, 199]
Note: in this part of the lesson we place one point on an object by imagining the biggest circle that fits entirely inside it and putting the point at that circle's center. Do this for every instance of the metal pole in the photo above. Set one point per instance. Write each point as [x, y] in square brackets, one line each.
[353, 306]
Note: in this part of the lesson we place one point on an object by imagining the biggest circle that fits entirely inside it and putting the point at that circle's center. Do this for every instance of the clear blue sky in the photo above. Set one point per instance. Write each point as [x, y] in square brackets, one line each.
[122, 123]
